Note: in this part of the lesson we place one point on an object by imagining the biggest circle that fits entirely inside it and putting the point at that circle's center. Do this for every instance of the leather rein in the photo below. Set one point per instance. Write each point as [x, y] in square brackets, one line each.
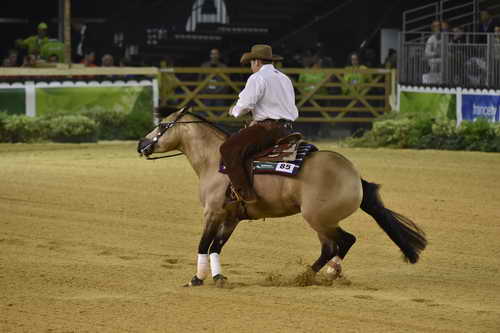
[163, 127]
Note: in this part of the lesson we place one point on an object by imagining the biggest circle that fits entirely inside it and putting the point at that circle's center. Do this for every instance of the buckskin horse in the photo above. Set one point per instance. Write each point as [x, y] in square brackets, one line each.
[326, 190]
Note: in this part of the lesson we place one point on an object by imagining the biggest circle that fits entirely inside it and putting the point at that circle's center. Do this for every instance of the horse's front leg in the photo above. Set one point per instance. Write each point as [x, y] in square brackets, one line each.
[219, 225]
[223, 235]
[212, 225]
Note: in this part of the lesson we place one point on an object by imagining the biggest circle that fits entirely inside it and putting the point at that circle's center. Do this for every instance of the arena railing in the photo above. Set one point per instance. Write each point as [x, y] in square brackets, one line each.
[472, 63]
[9, 74]
[332, 99]
[34, 91]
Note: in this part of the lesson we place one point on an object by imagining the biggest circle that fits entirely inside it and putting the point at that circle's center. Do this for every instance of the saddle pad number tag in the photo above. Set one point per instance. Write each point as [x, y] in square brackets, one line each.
[285, 167]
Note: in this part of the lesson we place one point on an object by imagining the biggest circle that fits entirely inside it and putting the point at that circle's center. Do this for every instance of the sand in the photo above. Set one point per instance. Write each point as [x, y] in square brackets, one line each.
[95, 239]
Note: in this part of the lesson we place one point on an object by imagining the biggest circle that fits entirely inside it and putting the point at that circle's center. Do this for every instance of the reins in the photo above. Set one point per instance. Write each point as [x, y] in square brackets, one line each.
[165, 156]
[163, 127]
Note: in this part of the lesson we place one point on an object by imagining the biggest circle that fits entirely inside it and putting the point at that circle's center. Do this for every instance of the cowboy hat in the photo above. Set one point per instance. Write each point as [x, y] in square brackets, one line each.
[259, 51]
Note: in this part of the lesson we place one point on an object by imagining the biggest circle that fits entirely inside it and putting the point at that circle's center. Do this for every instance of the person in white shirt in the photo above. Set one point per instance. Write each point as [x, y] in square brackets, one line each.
[433, 54]
[270, 97]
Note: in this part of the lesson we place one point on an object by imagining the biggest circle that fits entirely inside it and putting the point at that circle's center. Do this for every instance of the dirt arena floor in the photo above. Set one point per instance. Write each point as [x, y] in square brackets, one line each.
[95, 239]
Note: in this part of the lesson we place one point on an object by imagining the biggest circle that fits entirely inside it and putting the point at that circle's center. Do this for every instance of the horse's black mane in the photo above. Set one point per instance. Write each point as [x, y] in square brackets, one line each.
[164, 111]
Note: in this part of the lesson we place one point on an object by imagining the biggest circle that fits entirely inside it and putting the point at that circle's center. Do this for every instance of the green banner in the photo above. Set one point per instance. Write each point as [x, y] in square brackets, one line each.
[77, 99]
[431, 103]
[13, 100]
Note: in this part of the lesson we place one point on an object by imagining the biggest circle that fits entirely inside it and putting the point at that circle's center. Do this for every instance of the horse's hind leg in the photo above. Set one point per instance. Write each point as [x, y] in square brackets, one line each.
[344, 241]
[329, 249]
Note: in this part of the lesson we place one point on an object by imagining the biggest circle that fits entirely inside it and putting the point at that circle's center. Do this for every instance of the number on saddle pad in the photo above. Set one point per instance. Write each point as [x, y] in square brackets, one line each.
[285, 167]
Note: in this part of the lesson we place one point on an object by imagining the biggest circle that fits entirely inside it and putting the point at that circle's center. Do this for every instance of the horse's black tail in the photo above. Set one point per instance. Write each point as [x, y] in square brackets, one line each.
[403, 231]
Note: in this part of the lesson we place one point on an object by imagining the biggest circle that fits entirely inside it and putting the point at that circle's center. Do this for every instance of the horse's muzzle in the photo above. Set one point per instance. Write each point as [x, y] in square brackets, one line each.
[145, 147]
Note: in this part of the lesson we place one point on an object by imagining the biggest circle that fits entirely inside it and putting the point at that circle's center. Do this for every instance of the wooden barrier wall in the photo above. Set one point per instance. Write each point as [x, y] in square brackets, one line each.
[331, 99]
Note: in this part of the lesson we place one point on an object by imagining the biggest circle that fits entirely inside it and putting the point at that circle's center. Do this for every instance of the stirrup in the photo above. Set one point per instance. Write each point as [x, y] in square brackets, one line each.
[238, 197]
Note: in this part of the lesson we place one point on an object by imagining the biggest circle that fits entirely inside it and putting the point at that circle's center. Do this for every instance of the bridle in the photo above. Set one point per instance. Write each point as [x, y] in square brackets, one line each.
[164, 127]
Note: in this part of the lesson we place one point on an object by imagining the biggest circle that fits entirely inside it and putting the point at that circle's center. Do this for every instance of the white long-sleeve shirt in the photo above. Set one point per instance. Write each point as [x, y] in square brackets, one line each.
[268, 93]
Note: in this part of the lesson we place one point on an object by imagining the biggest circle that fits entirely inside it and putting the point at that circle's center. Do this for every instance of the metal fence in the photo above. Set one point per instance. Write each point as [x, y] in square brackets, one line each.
[468, 60]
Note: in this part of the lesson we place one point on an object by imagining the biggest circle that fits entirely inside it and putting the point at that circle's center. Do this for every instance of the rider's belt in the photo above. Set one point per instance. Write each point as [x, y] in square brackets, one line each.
[280, 122]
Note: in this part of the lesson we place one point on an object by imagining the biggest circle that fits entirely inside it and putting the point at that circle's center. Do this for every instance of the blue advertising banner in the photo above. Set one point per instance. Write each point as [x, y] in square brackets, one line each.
[480, 106]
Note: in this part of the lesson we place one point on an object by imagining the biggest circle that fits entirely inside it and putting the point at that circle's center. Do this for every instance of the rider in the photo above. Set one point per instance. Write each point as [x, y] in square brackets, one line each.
[270, 97]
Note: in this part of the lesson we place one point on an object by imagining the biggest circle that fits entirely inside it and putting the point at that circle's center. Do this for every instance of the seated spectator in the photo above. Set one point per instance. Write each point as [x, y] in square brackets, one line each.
[89, 59]
[29, 61]
[34, 43]
[53, 59]
[13, 57]
[107, 60]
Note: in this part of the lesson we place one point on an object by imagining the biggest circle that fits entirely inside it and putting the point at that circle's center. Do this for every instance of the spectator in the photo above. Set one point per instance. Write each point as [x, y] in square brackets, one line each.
[310, 80]
[13, 57]
[84, 40]
[458, 36]
[107, 60]
[486, 22]
[168, 83]
[352, 80]
[53, 59]
[433, 55]
[497, 35]
[314, 78]
[212, 88]
[29, 61]
[486, 25]
[34, 43]
[391, 61]
[497, 55]
[89, 59]
[445, 26]
[353, 77]
[458, 56]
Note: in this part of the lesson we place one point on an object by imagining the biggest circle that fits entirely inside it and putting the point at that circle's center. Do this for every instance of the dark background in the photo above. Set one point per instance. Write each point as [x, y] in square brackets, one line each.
[294, 26]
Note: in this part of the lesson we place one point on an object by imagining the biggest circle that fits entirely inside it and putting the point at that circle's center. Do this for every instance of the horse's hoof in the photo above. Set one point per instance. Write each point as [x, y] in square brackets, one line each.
[334, 269]
[195, 282]
[220, 281]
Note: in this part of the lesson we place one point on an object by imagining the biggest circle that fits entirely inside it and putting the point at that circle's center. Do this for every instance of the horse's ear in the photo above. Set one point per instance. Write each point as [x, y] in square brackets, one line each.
[164, 111]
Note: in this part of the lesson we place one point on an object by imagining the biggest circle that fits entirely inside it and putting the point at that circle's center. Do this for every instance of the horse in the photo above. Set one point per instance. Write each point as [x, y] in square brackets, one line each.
[326, 190]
